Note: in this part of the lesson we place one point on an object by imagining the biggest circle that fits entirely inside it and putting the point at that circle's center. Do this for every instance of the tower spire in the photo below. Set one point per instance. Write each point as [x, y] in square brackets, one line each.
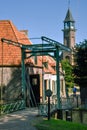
[69, 34]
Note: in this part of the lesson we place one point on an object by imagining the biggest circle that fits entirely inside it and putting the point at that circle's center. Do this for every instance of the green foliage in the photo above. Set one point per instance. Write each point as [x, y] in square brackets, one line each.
[59, 125]
[80, 68]
[67, 68]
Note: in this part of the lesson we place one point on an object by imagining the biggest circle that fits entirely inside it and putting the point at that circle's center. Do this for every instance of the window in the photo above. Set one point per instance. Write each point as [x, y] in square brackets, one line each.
[45, 87]
[45, 64]
[34, 81]
[35, 59]
[54, 87]
[66, 25]
[54, 67]
[61, 82]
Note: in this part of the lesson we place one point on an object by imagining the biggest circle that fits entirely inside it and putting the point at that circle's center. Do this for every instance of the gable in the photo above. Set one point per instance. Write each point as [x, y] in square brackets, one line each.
[9, 54]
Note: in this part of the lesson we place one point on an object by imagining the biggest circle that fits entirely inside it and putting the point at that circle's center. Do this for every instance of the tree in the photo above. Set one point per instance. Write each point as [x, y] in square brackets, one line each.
[67, 68]
[80, 68]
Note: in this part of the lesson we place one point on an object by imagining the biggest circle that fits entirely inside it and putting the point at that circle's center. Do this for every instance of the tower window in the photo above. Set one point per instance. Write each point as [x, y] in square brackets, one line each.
[66, 25]
[68, 58]
[71, 25]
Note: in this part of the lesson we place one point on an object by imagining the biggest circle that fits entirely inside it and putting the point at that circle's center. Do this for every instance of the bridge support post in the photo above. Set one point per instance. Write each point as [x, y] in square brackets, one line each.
[58, 78]
[23, 75]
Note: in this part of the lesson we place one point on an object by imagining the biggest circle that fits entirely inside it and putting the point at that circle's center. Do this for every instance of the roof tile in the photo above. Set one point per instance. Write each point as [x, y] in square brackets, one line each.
[9, 54]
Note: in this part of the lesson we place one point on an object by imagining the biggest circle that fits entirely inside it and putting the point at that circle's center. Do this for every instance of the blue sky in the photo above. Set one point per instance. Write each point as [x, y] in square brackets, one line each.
[45, 17]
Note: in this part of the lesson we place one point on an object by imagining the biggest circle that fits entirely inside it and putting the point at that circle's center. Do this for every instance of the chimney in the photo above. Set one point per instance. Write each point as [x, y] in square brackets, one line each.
[24, 32]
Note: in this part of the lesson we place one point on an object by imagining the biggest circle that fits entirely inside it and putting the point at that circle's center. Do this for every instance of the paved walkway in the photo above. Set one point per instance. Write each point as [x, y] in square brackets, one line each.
[20, 120]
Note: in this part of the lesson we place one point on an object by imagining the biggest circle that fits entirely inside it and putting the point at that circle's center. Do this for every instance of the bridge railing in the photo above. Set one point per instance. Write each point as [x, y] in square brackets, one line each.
[66, 103]
[12, 106]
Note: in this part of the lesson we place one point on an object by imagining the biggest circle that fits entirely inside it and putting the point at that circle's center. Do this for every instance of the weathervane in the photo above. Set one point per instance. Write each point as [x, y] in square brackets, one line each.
[68, 3]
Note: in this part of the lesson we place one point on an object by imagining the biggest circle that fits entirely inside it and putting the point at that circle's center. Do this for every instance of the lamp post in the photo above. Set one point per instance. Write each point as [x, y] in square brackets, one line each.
[48, 94]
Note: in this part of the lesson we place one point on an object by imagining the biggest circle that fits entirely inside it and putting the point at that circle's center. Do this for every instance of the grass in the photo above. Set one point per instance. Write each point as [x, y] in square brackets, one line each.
[59, 125]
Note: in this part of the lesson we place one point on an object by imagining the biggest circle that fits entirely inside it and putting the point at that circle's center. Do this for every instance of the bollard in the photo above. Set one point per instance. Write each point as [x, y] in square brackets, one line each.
[59, 114]
[68, 115]
[77, 101]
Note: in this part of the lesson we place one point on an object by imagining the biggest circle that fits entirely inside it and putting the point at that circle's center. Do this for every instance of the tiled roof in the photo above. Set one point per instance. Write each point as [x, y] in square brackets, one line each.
[11, 54]
[49, 70]
[51, 63]
[69, 17]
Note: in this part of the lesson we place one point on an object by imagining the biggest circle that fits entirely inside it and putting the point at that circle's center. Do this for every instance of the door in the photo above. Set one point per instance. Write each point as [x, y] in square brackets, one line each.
[35, 89]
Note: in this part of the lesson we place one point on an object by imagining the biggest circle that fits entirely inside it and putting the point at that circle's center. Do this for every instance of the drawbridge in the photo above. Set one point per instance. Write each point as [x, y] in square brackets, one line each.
[47, 47]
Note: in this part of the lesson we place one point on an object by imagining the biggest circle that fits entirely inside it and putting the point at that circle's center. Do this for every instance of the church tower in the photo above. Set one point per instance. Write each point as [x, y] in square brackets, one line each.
[69, 34]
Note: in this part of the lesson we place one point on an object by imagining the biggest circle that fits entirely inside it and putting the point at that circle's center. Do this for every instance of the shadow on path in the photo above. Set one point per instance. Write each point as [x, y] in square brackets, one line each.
[20, 120]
